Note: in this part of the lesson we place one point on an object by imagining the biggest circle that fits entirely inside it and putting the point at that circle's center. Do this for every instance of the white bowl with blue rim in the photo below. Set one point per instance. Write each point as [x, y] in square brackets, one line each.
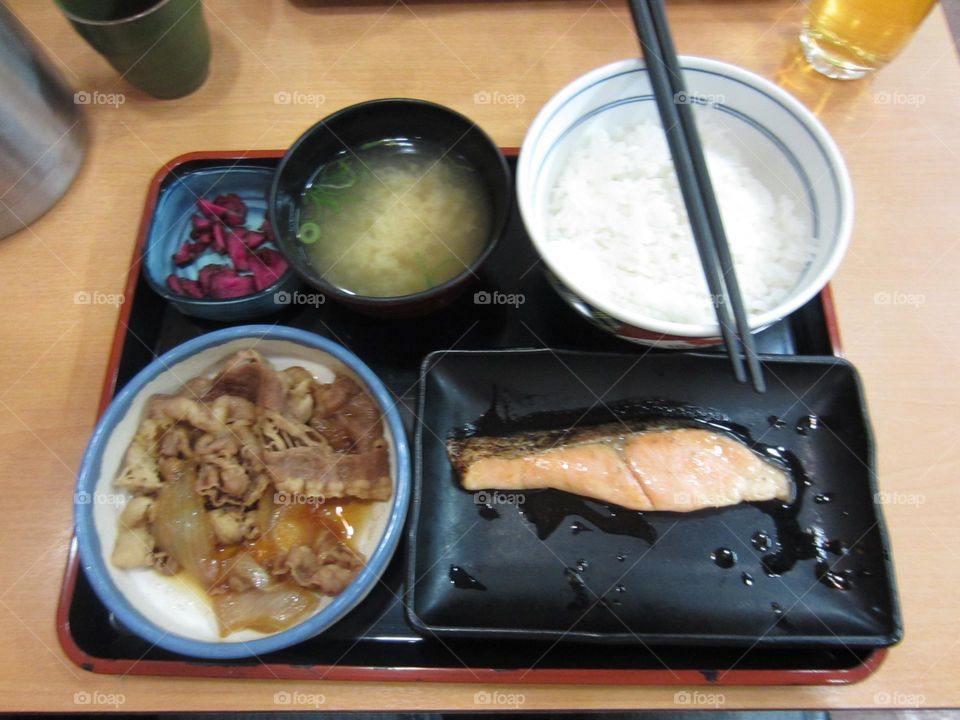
[789, 151]
[165, 611]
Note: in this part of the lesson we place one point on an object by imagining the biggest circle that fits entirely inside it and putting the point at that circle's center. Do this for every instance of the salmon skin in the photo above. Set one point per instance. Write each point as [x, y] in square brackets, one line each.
[676, 469]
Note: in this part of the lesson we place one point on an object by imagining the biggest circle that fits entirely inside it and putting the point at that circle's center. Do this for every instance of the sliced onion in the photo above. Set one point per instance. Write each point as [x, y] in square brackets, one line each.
[248, 571]
[181, 527]
[262, 610]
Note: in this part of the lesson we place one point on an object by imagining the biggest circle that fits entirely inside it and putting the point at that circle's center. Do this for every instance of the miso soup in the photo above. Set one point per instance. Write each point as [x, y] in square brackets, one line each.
[394, 217]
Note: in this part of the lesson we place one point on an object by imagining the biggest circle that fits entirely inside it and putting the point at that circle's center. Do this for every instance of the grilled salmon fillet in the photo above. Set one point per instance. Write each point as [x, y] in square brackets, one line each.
[675, 469]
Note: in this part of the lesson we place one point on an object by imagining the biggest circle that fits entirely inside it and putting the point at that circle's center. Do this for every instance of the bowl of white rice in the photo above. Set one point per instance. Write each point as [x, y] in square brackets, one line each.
[599, 198]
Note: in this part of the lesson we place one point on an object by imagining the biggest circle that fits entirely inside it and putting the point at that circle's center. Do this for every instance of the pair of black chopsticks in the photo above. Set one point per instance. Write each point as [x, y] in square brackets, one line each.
[674, 104]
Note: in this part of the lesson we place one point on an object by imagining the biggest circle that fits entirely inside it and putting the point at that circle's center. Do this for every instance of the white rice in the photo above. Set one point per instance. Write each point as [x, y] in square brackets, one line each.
[617, 223]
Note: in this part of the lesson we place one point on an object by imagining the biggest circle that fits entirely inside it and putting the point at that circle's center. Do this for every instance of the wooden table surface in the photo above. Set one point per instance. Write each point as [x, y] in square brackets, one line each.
[898, 130]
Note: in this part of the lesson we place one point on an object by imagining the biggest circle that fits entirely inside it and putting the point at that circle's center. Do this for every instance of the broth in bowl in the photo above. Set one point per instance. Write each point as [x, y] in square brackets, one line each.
[393, 218]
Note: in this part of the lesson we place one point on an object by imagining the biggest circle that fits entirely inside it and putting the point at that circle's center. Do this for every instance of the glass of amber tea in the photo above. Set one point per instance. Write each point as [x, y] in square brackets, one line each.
[846, 39]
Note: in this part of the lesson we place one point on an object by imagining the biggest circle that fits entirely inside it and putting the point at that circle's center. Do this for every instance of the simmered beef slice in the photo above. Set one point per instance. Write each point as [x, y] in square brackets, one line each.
[329, 566]
[346, 416]
[316, 471]
[248, 375]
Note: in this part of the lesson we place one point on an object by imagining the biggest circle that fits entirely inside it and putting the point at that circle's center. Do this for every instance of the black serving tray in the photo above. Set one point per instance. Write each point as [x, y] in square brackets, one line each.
[375, 641]
[549, 565]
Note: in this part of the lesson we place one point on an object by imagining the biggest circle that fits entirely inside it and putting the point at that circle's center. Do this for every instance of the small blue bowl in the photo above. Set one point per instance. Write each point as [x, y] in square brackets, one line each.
[171, 225]
[166, 611]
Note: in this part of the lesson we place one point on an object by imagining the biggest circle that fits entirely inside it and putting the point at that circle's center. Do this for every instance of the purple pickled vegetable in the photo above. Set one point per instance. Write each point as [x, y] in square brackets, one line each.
[203, 239]
[208, 273]
[272, 258]
[228, 284]
[235, 209]
[255, 239]
[263, 277]
[239, 254]
[219, 239]
[187, 253]
[191, 288]
[211, 209]
[201, 226]
[269, 269]
[184, 286]
[251, 238]
[220, 227]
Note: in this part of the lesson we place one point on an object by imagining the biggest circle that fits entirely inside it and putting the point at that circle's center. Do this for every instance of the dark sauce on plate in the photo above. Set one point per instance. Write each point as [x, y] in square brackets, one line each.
[724, 558]
[581, 597]
[463, 580]
[488, 511]
[546, 510]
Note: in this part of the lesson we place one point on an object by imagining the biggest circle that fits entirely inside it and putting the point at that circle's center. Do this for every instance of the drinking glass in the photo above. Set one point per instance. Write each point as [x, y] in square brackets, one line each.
[846, 39]
[160, 46]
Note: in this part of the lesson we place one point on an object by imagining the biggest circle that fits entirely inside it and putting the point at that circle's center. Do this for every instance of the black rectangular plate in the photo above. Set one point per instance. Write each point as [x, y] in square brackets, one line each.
[377, 634]
[549, 565]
